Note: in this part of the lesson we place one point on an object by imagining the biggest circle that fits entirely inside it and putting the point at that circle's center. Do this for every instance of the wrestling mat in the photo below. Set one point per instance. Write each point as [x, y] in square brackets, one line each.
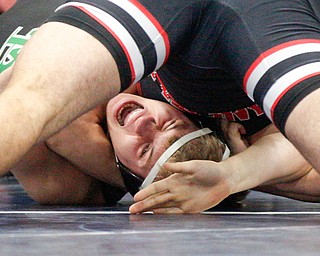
[261, 225]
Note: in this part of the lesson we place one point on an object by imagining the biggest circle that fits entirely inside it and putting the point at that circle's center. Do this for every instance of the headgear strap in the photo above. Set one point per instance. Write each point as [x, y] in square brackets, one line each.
[172, 149]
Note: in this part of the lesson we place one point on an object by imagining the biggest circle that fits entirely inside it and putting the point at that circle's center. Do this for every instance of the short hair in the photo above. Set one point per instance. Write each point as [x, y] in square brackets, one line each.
[207, 147]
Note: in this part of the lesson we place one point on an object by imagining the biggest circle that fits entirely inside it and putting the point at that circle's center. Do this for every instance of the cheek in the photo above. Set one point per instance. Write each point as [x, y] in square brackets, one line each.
[141, 173]
[124, 150]
[118, 141]
[120, 148]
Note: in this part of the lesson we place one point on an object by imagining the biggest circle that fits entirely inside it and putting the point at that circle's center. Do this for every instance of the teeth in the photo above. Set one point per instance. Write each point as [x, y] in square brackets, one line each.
[125, 111]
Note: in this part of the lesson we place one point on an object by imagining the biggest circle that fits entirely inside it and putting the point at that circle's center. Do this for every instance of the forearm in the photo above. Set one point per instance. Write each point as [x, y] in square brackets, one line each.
[270, 160]
[85, 144]
[49, 179]
[305, 188]
[95, 157]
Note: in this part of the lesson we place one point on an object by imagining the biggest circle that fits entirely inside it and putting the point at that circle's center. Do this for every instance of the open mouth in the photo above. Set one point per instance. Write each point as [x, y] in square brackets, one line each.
[127, 112]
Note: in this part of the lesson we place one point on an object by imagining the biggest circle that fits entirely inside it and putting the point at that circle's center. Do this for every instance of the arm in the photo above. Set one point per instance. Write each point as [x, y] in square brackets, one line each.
[303, 185]
[71, 170]
[275, 160]
[304, 188]
[50, 179]
[85, 144]
[270, 160]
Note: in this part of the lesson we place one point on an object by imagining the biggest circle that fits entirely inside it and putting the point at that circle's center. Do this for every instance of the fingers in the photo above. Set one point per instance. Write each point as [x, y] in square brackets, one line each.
[176, 169]
[186, 168]
[242, 130]
[180, 192]
[154, 188]
[153, 202]
[170, 210]
[171, 182]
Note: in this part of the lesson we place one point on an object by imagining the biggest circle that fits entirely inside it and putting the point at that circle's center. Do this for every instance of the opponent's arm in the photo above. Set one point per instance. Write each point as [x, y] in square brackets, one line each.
[272, 159]
[71, 169]
[304, 188]
[301, 186]
[85, 144]
[48, 178]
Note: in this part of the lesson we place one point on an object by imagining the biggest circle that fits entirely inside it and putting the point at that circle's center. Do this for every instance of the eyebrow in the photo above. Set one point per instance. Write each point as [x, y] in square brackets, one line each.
[172, 139]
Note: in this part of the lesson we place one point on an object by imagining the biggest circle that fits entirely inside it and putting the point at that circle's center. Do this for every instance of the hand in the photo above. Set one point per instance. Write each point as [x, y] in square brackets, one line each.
[234, 135]
[77, 133]
[85, 144]
[195, 186]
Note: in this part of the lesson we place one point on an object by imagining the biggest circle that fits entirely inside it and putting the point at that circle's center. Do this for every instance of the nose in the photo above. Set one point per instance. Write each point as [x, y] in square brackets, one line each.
[145, 126]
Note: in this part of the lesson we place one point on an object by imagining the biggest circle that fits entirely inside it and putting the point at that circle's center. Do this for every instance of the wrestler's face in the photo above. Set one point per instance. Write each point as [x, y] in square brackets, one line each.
[140, 130]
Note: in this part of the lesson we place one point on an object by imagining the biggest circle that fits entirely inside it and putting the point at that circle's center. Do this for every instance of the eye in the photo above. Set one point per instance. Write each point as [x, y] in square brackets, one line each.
[168, 125]
[144, 150]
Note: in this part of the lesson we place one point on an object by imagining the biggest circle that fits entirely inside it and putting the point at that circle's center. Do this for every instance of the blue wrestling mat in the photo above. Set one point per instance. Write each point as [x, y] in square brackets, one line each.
[261, 225]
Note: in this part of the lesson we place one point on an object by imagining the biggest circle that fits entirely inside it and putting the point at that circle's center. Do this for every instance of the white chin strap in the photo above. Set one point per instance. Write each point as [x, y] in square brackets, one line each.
[226, 153]
[172, 149]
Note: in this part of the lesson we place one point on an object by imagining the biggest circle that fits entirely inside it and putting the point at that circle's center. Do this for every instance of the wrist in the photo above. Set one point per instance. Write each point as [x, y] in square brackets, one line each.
[230, 175]
[236, 176]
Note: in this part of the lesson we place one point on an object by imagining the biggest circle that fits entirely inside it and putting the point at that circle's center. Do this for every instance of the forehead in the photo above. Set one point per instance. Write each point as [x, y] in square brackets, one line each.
[159, 147]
